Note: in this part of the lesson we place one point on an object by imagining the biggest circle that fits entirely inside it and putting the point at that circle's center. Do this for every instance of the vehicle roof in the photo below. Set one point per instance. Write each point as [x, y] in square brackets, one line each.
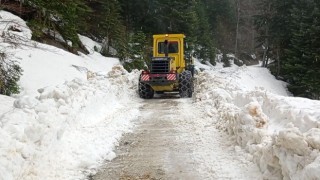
[169, 36]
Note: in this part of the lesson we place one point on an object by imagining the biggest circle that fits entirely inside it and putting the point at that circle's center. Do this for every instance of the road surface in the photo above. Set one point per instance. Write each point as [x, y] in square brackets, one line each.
[175, 139]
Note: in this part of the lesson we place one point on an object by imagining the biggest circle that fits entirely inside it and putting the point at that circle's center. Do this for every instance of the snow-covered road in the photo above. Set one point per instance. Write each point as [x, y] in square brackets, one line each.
[175, 139]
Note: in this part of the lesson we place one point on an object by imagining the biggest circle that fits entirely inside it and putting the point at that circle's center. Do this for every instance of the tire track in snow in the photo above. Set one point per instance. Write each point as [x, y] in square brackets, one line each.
[174, 139]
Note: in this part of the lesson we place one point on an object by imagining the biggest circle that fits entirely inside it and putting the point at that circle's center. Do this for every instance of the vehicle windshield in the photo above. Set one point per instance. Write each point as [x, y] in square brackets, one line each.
[172, 47]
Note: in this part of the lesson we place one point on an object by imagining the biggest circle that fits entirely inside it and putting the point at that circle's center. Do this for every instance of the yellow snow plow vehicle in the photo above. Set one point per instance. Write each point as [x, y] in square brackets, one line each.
[169, 70]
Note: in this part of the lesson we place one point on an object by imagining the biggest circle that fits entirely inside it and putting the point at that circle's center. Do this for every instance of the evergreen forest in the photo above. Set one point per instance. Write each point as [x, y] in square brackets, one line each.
[283, 34]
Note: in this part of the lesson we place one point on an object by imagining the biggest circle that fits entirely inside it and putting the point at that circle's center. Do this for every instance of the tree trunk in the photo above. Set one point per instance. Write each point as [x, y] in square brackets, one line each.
[266, 48]
[253, 37]
[267, 59]
[237, 33]
[20, 8]
[252, 13]
[278, 63]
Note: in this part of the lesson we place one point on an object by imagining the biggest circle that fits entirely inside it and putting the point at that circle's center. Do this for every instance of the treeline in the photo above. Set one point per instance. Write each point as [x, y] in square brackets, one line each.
[283, 33]
[125, 27]
[289, 31]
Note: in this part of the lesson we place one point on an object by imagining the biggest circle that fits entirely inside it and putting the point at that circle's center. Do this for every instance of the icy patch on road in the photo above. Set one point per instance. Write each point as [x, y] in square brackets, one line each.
[281, 133]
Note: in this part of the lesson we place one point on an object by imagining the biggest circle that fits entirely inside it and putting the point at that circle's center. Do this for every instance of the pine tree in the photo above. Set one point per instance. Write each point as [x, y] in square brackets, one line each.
[222, 19]
[64, 16]
[225, 60]
[293, 42]
[10, 73]
[205, 49]
[112, 27]
[301, 66]
[138, 52]
[272, 25]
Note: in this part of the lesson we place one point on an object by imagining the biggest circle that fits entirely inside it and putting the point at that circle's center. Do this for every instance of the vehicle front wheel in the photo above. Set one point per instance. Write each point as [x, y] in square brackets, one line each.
[145, 91]
[185, 84]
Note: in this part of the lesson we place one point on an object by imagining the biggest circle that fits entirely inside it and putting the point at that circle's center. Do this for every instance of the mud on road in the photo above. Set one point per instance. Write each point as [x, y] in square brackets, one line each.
[169, 143]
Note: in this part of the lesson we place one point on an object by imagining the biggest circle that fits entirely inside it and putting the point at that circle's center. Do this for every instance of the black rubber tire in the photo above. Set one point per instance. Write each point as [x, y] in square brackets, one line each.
[191, 69]
[185, 84]
[145, 91]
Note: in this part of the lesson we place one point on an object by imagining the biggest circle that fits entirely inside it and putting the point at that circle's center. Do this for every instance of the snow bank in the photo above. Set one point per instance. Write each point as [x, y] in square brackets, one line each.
[68, 128]
[70, 114]
[90, 45]
[6, 104]
[282, 133]
[13, 25]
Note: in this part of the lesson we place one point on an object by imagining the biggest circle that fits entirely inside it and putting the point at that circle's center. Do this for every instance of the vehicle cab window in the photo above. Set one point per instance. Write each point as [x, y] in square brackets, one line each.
[173, 47]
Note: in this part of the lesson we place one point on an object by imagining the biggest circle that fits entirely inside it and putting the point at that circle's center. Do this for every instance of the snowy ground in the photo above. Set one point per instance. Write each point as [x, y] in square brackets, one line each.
[71, 107]
[73, 110]
[281, 133]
